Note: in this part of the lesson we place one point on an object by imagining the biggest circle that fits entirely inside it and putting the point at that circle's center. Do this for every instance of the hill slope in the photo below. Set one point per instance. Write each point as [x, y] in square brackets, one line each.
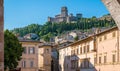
[53, 29]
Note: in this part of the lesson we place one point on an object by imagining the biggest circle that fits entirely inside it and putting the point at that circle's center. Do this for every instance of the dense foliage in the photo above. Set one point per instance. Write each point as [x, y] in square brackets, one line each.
[12, 50]
[53, 29]
[33, 28]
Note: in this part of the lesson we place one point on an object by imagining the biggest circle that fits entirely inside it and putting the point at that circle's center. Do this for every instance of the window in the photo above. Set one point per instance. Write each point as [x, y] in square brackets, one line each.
[31, 63]
[31, 50]
[100, 39]
[105, 58]
[71, 52]
[113, 34]
[24, 50]
[88, 49]
[76, 62]
[85, 63]
[95, 60]
[47, 50]
[24, 64]
[113, 58]
[105, 37]
[77, 51]
[81, 50]
[73, 64]
[99, 59]
[82, 64]
[84, 49]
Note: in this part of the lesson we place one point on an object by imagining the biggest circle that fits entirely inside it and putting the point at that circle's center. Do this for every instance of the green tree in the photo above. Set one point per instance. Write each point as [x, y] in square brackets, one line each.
[12, 50]
[76, 38]
[46, 38]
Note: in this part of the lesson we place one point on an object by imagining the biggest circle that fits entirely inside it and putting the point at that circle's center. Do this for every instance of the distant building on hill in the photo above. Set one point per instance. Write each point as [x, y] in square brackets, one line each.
[31, 36]
[64, 17]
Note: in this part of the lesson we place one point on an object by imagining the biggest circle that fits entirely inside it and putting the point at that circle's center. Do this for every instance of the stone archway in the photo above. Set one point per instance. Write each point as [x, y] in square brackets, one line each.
[114, 8]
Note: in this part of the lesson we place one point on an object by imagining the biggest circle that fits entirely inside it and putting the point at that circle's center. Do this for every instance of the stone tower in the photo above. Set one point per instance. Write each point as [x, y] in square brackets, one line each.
[64, 12]
[114, 8]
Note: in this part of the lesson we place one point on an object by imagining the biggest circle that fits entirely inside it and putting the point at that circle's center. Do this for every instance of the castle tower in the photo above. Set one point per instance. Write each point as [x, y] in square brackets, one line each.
[49, 19]
[64, 12]
[79, 16]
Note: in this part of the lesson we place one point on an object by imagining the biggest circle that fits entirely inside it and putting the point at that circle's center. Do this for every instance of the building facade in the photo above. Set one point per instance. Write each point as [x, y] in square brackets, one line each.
[29, 60]
[44, 57]
[78, 56]
[99, 52]
[108, 50]
[64, 17]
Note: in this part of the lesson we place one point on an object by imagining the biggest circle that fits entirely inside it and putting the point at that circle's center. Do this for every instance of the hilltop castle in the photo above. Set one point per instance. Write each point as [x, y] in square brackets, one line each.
[64, 17]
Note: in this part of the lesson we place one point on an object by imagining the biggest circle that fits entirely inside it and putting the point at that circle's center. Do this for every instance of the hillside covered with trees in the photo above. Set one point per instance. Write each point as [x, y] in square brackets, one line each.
[53, 29]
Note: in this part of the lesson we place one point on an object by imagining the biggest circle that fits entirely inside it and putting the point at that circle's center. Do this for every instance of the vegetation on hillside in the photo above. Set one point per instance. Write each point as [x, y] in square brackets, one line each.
[53, 29]
[33, 28]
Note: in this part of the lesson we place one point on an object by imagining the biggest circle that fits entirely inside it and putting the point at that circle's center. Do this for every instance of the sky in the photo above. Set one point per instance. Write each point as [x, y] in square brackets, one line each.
[20, 13]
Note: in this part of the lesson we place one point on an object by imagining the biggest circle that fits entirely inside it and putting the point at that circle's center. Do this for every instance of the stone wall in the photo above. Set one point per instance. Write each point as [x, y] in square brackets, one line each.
[1, 37]
[114, 8]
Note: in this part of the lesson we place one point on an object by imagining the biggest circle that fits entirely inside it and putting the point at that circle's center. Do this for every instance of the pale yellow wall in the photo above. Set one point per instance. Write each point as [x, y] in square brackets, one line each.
[107, 48]
[65, 52]
[40, 57]
[44, 59]
[30, 57]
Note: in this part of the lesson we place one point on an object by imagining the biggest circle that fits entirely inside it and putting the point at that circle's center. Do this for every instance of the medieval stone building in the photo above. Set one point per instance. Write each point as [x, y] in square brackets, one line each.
[64, 17]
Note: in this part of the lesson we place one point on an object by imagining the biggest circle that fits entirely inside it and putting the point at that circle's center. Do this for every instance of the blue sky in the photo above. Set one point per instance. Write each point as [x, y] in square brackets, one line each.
[20, 13]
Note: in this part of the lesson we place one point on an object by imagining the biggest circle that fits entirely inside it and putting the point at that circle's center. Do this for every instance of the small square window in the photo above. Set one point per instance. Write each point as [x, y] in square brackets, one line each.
[31, 63]
[47, 50]
[31, 50]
